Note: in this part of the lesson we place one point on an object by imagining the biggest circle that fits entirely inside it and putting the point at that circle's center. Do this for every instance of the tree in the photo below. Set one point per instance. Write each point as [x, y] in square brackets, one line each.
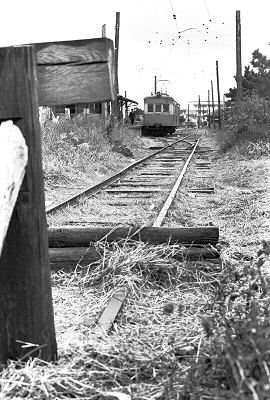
[256, 78]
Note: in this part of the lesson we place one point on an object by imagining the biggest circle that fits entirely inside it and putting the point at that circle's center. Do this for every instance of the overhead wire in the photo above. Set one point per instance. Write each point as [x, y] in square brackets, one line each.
[174, 16]
[208, 12]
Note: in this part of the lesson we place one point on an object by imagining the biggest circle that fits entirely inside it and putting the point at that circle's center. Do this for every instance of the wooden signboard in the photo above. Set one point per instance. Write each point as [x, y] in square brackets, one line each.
[78, 71]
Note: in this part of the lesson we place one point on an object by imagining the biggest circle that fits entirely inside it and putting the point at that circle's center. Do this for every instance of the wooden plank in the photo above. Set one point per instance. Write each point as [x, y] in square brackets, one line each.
[26, 311]
[75, 71]
[111, 311]
[210, 190]
[82, 236]
[170, 198]
[138, 184]
[133, 190]
[69, 258]
[13, 160]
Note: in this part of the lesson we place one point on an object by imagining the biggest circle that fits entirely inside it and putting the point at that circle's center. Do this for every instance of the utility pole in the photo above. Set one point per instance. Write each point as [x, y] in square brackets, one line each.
[209, 119]
[155, 86]
[116, 44]
[239, 79]
[223, 109]
[104, 105]
[199, 111]
[115, 106]
[218, 93]
[188, 116]
[213, 105]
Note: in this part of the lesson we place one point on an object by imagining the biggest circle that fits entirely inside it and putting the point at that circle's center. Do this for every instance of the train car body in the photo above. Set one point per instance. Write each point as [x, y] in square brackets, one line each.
[161, 114]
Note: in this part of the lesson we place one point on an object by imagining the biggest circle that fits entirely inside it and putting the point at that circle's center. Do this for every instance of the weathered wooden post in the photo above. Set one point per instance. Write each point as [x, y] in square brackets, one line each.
[26, 312]
[54, 73]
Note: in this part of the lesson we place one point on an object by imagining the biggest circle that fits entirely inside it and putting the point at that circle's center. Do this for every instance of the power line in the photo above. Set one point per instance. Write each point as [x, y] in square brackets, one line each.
[174, 16]
[207, 9]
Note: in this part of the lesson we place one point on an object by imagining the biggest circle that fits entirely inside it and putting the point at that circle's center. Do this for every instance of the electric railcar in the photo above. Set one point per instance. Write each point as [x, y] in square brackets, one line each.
[161, 114]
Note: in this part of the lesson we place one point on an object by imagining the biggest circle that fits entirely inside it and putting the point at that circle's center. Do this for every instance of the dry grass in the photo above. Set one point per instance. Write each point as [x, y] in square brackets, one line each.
[154, 340]
[65, 161]
[236, 357]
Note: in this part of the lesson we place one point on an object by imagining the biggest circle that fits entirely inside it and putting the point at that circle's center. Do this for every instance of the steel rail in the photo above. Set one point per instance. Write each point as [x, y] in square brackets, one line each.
[163, 212]
[96, 188]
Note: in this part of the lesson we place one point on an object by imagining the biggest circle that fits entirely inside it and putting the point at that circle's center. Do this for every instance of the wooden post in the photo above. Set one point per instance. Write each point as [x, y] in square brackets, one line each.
[199, 111]
[213, 105]
[155, 86]
[115, 105]
[203, 111]
[116, 44]
[223, 109]
[188, 116]
[209, 109]
[218, 93]
[103, 30]
[239, 79]
[26, 312]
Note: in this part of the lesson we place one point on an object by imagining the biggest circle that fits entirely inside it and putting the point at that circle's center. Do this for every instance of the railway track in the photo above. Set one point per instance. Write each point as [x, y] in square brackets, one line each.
[162, 162]
[132, 203]
[148, 186]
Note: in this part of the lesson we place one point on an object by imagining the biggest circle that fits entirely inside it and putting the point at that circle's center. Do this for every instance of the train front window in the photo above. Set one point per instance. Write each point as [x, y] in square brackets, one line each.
[165, 107]
[158, 107]
[150, 108]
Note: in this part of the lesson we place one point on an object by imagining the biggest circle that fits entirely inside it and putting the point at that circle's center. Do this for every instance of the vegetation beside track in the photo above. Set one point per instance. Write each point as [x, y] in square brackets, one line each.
[235, 351]
[83, 151]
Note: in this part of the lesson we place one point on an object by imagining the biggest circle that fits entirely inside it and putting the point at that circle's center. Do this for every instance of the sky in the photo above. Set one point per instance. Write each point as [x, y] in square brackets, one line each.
[149, 43]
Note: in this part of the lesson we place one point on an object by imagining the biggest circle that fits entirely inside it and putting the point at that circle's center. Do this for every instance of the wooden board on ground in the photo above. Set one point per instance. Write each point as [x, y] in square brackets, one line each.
[83, 236]
[69, 258]
[78, 71]
[111, 310]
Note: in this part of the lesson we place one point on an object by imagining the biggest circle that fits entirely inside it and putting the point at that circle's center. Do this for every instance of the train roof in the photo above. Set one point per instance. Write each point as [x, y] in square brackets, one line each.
[160, 96]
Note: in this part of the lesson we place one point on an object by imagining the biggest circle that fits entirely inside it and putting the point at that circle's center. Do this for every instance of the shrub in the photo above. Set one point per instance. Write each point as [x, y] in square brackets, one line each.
[247, 122]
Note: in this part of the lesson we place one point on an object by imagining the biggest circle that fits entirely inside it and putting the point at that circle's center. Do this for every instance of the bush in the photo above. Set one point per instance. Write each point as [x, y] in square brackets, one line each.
[84, 145]
[235, 361]
[247, 125]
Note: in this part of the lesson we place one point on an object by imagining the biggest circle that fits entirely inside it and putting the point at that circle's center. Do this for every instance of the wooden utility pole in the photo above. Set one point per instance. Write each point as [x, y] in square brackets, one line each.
[103, 30]
[26, 312]
[117, 28]
[104, 105]
[209, 110]
[155, 86]
[188, 116]
[115, 105]
[202, 106]
[239, 79]
[218, 94]
[213, 105]
[199, 111]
